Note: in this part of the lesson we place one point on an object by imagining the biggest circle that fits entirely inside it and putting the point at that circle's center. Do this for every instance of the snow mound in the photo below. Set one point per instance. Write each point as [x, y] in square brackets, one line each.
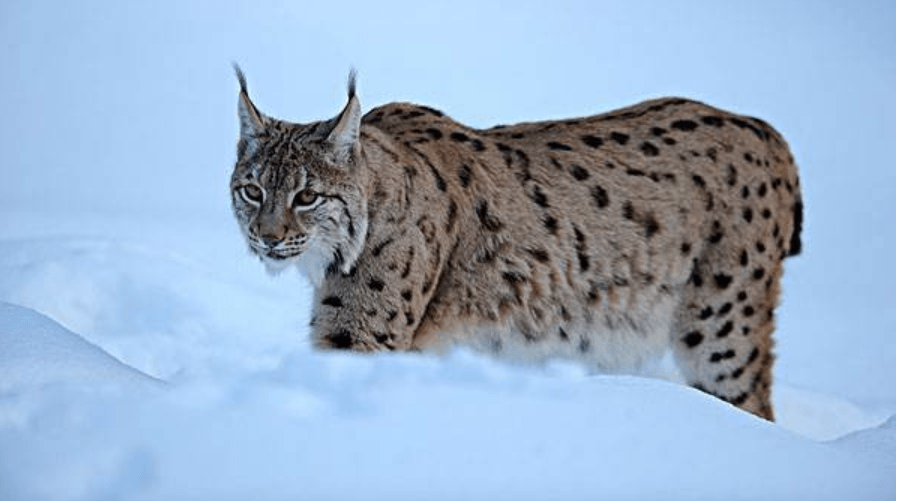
[250, 412]
[36, 351]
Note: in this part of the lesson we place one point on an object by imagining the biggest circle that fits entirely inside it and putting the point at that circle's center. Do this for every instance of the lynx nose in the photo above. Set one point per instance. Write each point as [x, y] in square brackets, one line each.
[270, 240]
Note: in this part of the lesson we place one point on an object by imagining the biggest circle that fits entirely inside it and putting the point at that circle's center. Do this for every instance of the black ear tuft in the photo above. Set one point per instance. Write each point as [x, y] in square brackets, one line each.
[351, 83]
[240, 77]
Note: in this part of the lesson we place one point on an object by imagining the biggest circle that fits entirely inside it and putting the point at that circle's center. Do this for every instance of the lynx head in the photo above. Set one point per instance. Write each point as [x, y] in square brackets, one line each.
[297, 189]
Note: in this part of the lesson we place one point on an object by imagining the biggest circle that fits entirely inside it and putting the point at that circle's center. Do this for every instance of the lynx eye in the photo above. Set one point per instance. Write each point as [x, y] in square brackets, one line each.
[305, 198]
[252, 193]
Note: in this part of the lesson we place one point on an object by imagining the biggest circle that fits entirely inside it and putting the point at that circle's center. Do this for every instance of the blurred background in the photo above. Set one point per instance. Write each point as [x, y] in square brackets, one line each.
[127, 110]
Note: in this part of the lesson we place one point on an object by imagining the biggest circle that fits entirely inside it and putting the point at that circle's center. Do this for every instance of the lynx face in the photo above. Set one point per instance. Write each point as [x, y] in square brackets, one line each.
[294, 190]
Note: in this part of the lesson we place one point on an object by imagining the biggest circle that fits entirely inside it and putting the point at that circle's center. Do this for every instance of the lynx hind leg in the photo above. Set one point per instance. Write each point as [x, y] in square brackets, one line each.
[722, 334]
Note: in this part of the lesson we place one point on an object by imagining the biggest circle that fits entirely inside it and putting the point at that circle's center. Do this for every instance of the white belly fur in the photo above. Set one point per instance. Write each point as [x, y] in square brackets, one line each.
[617, 344]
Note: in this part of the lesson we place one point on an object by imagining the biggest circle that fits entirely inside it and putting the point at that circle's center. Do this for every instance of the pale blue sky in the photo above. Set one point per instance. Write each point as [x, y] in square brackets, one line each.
[129, 107]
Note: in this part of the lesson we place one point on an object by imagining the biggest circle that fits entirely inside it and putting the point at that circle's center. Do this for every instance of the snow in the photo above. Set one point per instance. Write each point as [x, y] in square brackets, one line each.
[250, 411]
[145, 355]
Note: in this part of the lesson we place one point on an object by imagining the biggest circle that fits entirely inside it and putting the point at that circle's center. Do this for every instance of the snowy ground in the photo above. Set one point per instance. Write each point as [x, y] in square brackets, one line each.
[181, 371]
[144, 355]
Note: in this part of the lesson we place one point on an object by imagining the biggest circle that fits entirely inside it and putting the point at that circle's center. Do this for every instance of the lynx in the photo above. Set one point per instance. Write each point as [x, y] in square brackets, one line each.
[609, 240]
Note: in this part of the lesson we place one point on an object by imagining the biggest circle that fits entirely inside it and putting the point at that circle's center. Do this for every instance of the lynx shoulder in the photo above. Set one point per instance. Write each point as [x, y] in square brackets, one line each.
[609, 239]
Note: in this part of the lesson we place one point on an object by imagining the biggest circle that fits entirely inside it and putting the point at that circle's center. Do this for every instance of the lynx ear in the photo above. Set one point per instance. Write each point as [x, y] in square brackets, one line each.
[251, 121]
[344, 136]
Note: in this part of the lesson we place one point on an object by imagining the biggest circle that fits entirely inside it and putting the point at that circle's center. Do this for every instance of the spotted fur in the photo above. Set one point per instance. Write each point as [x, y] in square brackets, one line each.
[607, 239]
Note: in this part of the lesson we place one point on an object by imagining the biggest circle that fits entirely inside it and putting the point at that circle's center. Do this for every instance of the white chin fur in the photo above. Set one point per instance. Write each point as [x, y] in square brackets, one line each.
[274, 267]
[314, 261]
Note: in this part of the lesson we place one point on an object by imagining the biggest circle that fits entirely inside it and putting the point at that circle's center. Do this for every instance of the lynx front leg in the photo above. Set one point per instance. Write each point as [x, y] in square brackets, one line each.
[379, 304]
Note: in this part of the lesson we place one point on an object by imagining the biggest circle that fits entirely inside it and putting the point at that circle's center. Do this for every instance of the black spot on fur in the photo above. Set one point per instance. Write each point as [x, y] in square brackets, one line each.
[554, 145]
[539, 254]
[693, 339]
[409, 318]
[695, 278]
[698, 181]
[333, 301]
[538, 197]
[684, 125]
[451, 215]
[579, 172]
[669, 141]
[563, 335]
[464, 175]
[584, 345]
[600, 196]
[706, 313]
[760, 246]
[726, 308]
[658, 131]
[731, 175]
[458, 136]
[748, 157]
[743, 258]
[580, 246]
[434, 133]
[795, 241]
[712, 120]
[407, 295]
[723, 280]
[685, 248]
[341, 340]
[648, 149]
[376, 284]
[742, 296]
[592, 141]
[551, 224]
[745, 192]
[513, 277]
[583, 260]
[380, 247]
[748, 311]
[408, 264]
[762, 190]
[720, 356]
[747, 214]
[716, 233]
[478, 145]
[758, 273]
[438, 178]
[651, 226]
[620, 138]
[487, 220]
[766, 213]
[742, 124]
[628, 210]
